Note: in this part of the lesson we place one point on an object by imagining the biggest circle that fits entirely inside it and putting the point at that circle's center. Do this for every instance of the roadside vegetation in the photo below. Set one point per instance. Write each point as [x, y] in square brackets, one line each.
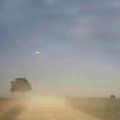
[102, 108]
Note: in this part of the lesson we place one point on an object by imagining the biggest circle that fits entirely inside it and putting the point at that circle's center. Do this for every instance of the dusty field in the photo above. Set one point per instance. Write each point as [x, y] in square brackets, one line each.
[101, 108]
[7, 104]
[27, 110]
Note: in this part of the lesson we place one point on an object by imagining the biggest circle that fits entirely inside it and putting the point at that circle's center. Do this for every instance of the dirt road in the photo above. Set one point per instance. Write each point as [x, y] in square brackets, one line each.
[52, 113]
[29, 111]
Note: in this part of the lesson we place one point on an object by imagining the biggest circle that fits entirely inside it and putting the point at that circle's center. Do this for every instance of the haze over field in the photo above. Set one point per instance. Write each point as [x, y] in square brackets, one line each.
[66, 47]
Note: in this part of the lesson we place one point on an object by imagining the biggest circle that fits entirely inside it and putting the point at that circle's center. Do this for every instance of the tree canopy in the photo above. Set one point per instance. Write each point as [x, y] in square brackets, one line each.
[112, 96]
[20, 85]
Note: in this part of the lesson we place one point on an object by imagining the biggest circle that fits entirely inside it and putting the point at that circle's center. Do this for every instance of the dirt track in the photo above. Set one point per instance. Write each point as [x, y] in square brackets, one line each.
[52, 113]
[44, 112]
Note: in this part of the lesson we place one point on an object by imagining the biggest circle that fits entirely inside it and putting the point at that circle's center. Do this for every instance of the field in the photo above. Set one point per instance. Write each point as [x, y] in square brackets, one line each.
[51, 108]
[101, 108]
[48, 108]
[10, 108]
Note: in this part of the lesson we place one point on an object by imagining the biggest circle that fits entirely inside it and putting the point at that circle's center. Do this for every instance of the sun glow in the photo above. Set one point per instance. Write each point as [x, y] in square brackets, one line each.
[48, 100]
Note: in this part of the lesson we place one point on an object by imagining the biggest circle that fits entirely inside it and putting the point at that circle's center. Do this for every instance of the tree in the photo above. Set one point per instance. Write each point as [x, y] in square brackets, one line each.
[20, 85]
[112, 96]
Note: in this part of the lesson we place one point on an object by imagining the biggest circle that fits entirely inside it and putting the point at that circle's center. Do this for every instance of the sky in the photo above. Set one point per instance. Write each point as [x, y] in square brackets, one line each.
[67, 47]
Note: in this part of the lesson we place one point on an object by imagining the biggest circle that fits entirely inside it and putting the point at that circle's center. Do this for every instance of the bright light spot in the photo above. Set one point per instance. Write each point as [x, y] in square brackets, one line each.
[37, 52]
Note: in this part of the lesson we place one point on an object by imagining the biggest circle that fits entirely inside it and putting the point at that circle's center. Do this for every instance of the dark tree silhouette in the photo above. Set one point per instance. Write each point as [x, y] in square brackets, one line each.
[112, 96]
[20, 85]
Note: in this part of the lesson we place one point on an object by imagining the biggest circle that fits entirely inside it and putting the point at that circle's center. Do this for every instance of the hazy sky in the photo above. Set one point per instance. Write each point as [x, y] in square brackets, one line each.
[65, 46]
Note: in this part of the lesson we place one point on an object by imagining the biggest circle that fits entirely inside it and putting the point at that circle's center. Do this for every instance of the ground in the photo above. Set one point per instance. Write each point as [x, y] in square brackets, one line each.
[34, 110]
